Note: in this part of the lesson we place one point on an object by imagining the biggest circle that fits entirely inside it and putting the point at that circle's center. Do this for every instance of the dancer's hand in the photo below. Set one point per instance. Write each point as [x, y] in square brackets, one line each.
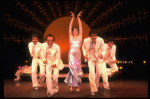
[53, 65]
[79, 14]
[115, 61]
[38, 55]
[105, 58]
[100, 56]
[72, 14]
[45, 61]
[86, 57]
[32, 54]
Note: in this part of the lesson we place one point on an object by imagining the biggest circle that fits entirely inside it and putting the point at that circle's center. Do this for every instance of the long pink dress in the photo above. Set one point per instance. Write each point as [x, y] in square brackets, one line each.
[74, 56]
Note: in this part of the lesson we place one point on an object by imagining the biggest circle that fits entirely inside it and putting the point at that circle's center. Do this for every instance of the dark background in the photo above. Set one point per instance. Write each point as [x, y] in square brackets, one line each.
[116, 18]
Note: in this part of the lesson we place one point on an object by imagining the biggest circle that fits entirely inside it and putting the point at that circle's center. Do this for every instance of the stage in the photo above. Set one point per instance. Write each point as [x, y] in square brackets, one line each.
[118, 89]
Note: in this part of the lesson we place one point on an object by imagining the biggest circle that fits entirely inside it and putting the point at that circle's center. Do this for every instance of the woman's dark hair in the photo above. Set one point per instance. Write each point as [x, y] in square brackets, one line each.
[75, 27]
[93, 31]
[50, 35]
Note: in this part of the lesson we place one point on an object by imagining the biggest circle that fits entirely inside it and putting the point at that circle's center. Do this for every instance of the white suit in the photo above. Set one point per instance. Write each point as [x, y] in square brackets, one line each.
[53, 56]
[110, 57]
[92, 62]
[35, 61]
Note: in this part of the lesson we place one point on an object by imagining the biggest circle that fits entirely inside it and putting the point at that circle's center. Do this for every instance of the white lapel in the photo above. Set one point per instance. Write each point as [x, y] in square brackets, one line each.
[32, 46]
[88, 43]
[97, 46]
[53, 50]
[35, 47]
[112, 51]
[44, 49]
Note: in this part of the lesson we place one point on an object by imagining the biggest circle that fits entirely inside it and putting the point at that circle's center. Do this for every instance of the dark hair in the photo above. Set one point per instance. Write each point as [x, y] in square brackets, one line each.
[35, 35]
[110, 39]
[50, 35]
[75, 27]
[93, 31]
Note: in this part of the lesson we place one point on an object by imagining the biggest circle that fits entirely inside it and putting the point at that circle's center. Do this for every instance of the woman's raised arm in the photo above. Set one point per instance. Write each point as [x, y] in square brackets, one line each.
[80, 25]
[70, 26]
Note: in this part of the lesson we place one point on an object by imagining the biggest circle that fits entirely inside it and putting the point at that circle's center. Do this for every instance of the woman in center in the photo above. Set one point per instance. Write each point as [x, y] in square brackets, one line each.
[73, 78]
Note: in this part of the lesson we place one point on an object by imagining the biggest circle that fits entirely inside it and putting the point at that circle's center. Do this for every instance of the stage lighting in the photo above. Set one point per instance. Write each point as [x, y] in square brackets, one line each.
[26, 61]
[122, 61]
[120, 67]
[125, 62]
[118, 62]
[131, 62]
[144, 62]
[19, 67]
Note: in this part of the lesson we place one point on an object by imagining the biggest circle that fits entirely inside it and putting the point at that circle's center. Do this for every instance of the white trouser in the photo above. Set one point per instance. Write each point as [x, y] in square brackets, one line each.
[35, 63]
[91, 65]
[104, 75]
[52, 80]
[42, 73]
[113, 66]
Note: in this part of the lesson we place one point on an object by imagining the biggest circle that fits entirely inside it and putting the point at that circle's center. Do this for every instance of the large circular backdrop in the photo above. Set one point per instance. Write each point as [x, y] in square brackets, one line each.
[60, 29]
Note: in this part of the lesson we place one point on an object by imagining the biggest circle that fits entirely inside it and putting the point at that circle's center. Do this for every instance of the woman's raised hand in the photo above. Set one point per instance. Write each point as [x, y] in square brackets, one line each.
[72, 14]
[79, 14]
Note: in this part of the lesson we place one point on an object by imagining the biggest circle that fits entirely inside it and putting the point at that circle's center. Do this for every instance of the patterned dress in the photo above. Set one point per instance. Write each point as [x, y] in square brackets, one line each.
[73, 79]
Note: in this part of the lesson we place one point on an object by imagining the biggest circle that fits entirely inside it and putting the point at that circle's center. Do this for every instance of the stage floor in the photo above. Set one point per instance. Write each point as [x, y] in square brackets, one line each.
[118, 89]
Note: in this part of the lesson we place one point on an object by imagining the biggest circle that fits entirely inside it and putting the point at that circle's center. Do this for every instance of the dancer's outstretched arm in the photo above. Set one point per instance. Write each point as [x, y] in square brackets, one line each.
[80, 25]
[70, 26]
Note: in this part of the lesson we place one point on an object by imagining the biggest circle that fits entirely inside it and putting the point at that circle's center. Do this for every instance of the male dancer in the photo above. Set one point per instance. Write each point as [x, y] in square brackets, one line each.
[110, 58]
[34, 49]
[93, 50]
[50, 53]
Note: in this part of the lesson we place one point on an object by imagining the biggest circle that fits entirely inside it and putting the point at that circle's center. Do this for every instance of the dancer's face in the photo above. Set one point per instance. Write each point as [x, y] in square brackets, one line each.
[110, 44]
[34, 40]
[75, 31]
[50, 41]
[93, 37]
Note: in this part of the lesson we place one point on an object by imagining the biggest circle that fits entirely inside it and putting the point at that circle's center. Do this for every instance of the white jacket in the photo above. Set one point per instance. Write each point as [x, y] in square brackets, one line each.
[112, 53]
[56, 55]
[99, 47]
[37, 48]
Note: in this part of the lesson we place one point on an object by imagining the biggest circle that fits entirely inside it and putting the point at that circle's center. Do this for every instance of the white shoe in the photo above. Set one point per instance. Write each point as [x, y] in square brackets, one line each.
[36, 88]
[55, 92]
[107, 88]
[92, 93]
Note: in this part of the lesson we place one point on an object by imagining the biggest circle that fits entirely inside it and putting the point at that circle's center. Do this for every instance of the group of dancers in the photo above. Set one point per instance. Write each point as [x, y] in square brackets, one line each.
[48, 56]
